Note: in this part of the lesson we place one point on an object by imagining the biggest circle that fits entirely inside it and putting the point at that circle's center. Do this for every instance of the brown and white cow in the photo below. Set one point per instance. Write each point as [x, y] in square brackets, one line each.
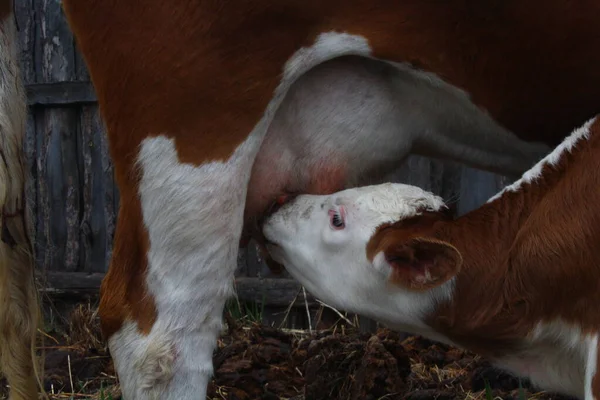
[331, 93]
[516, 280]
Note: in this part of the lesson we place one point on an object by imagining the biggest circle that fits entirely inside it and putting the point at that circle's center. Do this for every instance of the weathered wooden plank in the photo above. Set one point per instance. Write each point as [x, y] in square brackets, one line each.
[58, 177]
[26, 32]
[60, 281]
[54, 44]
[241, 268]
[418, 172]
[477, 187]
[58, 188]
[275, 292]
[60, 93]
[97, 223]
[111, 192]
[71, 191]
[87, 181]
[446, 181]
[253, 266]
[81, 71]
[415, 170]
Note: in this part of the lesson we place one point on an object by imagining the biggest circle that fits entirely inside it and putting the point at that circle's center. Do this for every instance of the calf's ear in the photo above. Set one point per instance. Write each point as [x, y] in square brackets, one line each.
[420, 263]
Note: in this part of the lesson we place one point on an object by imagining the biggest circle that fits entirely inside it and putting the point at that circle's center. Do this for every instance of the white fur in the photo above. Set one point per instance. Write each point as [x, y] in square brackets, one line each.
[551, 159]
[190, 268]
[144, 363]
[327, 46]
[591, 366]
[557, 358]
[193, 215]
[333, 265]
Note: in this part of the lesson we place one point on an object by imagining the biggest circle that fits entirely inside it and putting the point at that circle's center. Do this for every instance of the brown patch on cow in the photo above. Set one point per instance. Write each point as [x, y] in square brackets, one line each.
[530, 256]
[188, 70]
[123, 293]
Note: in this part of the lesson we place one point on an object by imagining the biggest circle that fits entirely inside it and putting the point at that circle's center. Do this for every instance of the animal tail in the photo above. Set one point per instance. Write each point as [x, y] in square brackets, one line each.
[20, 311]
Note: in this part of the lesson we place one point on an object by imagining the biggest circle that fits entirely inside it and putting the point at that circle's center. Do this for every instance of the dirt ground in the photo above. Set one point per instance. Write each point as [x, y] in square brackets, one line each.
[259, 362]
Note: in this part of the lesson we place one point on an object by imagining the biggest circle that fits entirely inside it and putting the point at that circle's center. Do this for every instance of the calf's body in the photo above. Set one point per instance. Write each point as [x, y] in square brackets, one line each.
[516, 280]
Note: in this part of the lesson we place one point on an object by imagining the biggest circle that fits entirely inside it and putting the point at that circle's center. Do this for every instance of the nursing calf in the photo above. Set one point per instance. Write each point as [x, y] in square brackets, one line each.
[517, 280]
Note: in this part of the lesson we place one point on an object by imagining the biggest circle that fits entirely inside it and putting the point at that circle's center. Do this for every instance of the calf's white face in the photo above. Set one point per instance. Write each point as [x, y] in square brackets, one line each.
[322, 240]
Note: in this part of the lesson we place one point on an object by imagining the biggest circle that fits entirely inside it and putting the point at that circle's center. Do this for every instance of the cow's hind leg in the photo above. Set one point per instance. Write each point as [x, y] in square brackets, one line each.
[184, 222]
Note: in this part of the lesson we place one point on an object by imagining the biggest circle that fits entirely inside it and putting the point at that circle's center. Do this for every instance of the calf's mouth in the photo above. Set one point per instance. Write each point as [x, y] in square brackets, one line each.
[253, 229]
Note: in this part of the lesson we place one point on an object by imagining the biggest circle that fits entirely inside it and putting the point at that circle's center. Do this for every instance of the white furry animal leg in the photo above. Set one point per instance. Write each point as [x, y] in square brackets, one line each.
[193, 215]
[592, 378]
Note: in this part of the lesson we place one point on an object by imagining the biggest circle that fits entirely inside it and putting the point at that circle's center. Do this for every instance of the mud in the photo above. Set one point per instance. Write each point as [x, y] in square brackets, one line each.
[258, 362]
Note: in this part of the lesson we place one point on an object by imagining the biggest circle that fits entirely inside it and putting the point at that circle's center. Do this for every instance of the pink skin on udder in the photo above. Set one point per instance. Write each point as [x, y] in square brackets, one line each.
[270, 183]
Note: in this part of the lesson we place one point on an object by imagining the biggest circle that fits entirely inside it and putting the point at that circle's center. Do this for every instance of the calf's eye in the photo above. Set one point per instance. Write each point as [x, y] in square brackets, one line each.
[336, 220]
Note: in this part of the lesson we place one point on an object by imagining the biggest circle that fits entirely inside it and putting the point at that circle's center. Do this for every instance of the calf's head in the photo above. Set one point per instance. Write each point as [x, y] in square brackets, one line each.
[368, 250]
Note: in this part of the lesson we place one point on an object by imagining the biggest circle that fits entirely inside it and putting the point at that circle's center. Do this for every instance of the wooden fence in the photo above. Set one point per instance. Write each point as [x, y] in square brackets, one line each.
[74, 197]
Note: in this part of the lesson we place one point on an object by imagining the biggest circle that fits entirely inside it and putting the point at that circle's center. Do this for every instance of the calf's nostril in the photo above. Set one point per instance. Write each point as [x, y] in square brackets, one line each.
[278, 203]
[272, 209]
[286, 198]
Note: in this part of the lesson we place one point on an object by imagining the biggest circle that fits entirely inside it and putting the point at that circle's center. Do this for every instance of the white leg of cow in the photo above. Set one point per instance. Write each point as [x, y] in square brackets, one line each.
[592, 378]
[193, 216]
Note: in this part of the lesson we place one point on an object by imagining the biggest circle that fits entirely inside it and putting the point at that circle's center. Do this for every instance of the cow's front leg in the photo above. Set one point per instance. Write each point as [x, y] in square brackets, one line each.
[172, 270]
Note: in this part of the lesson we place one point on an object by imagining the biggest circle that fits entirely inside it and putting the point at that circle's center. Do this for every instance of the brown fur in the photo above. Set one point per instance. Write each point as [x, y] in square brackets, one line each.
[530, 256]
[123, 291]
[203, 73]
[6, 8]
[420, 264]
